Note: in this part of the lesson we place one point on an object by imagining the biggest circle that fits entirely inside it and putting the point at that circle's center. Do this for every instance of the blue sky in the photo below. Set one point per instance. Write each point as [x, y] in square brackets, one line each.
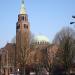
[45, 16]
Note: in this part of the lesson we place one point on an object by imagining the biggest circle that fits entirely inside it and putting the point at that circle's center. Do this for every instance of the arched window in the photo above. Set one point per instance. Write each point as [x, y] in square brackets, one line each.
[18, 26]
[23, 18]
[25, 27]
[10, 70]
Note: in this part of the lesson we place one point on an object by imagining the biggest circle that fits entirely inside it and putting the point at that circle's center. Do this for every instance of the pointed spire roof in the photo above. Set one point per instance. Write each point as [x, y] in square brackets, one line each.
[23, 9]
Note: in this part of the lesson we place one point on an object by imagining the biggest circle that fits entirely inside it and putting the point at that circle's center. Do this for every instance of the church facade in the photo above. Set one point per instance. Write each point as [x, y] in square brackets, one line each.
[28, 52]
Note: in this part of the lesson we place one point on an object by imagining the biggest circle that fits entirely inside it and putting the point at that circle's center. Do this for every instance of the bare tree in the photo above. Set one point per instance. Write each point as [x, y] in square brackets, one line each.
[23, 52]
[65, 39]
[48, 57]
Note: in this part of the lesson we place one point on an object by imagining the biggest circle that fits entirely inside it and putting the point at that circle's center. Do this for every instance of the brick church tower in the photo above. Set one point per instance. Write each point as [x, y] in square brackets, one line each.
[22, 30]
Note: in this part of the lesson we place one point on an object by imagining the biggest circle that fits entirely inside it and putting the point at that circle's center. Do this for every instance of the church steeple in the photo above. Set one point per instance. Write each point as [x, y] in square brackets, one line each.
[22, 29]
[22, 9]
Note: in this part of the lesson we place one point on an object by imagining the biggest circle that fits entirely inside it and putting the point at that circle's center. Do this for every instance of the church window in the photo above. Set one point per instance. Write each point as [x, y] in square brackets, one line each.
[18, 19]
[25, 27]
[5, 59]
[23, 18]
[18, 26]
[38, 42]
[10, 69]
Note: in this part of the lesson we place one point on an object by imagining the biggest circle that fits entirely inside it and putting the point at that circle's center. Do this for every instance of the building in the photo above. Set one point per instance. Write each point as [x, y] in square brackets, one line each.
[27, 52]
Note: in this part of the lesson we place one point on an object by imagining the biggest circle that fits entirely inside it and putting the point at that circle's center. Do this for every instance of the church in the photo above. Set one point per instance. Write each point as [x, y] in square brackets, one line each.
[27, 52]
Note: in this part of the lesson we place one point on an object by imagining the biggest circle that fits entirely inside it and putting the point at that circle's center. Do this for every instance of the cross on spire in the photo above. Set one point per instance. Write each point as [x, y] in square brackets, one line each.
[23, 9]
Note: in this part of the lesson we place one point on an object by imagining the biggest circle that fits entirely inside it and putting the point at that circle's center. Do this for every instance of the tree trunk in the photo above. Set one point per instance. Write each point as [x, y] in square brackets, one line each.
[24, 70]
[68, 71]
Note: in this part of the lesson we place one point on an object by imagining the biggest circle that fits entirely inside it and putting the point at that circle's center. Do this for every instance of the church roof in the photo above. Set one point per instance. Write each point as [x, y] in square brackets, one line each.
[40, 38]
[36, 39]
